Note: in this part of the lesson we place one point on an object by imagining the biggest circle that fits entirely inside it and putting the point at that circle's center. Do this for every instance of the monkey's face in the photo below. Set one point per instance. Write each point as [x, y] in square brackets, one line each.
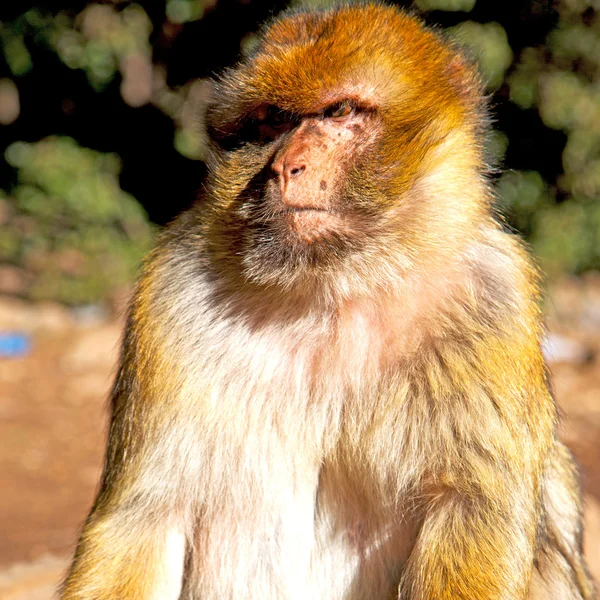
[303, 192]
[319, 140]
[299, 211]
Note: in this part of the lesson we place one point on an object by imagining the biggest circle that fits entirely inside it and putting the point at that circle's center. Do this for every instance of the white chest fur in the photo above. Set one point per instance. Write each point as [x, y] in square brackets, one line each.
[278, 513]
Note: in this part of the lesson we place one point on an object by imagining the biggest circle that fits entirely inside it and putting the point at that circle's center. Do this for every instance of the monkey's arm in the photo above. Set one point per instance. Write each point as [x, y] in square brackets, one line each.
[494, 427]
[125, 555]
[471, 549]
[134, 541]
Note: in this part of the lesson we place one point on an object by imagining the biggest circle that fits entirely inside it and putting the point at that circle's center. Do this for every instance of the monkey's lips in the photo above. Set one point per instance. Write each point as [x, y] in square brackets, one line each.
[310, 224]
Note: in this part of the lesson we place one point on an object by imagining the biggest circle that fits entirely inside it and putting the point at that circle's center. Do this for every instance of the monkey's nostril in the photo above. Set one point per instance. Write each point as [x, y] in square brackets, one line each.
[295, 171]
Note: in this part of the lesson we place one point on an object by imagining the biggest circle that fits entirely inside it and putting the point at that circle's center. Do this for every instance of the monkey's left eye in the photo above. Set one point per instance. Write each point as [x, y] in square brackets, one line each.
[278, 117]
[338, 111]
[271, 122]
[275, 117]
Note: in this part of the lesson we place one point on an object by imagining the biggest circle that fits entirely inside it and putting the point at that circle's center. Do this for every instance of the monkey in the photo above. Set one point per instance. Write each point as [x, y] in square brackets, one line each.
[331, 383]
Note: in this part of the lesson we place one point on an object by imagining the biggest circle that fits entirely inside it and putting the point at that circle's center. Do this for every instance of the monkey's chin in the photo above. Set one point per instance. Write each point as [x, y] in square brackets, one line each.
[299, 249]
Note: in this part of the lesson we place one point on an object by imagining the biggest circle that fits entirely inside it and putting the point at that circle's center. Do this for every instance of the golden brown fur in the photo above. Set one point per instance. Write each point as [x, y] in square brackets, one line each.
[331, 384]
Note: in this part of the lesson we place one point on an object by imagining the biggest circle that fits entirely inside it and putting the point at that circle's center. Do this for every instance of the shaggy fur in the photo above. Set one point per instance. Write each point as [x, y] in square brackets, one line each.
[359, 414]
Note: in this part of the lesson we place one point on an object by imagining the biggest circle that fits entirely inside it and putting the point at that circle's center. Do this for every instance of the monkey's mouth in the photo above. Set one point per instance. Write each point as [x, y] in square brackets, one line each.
[297, 209]
[300, 227]
[309, 224]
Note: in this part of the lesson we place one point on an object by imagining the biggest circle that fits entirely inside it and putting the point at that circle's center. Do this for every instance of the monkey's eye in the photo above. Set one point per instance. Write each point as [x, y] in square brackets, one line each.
[339, 111]
[272, 116]
[277, 117]
[273, 122]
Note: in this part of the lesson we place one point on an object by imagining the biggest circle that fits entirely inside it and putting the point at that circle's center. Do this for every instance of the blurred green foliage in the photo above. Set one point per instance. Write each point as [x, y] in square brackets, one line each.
[453, 5]
[489, 44]
[67, 224]
[561, 80]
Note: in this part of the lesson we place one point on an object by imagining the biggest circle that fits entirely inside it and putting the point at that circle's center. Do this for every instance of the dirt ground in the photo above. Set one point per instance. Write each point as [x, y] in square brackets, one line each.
[53, 424]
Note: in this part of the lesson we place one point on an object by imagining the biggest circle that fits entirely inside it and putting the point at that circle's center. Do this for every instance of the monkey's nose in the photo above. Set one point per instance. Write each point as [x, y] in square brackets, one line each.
[287, 167]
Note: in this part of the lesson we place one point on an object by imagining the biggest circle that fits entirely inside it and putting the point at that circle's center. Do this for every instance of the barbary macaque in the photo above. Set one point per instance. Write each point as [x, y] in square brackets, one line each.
[331, 384]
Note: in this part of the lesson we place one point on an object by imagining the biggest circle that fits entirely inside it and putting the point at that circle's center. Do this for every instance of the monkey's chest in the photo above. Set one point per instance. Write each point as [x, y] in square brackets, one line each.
[287, 524]
[299, 536]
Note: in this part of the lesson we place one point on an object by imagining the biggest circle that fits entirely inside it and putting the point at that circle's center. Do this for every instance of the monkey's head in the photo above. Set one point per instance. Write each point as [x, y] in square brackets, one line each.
[350, 141]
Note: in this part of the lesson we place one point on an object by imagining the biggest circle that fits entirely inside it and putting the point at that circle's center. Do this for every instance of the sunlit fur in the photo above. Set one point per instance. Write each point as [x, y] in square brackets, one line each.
[362, 416]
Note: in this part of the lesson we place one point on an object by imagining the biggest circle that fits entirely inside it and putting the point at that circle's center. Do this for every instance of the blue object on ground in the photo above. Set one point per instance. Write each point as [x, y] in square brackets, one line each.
[14, 344]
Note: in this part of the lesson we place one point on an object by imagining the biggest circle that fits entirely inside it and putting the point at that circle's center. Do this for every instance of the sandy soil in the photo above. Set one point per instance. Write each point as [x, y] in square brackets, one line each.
[53, 423]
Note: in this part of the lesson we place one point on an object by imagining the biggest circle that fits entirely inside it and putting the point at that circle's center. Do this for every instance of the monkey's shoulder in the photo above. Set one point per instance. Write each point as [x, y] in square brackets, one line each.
[501, 266]
[172, 282]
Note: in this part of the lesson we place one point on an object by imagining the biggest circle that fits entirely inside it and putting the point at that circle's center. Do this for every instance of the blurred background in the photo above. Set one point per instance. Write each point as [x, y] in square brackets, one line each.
[102, 143]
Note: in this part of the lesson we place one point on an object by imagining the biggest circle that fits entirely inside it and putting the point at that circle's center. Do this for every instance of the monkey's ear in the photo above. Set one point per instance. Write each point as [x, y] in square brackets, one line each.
[200, 94]
[216, 110]
[463, 70]
[228, 117]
